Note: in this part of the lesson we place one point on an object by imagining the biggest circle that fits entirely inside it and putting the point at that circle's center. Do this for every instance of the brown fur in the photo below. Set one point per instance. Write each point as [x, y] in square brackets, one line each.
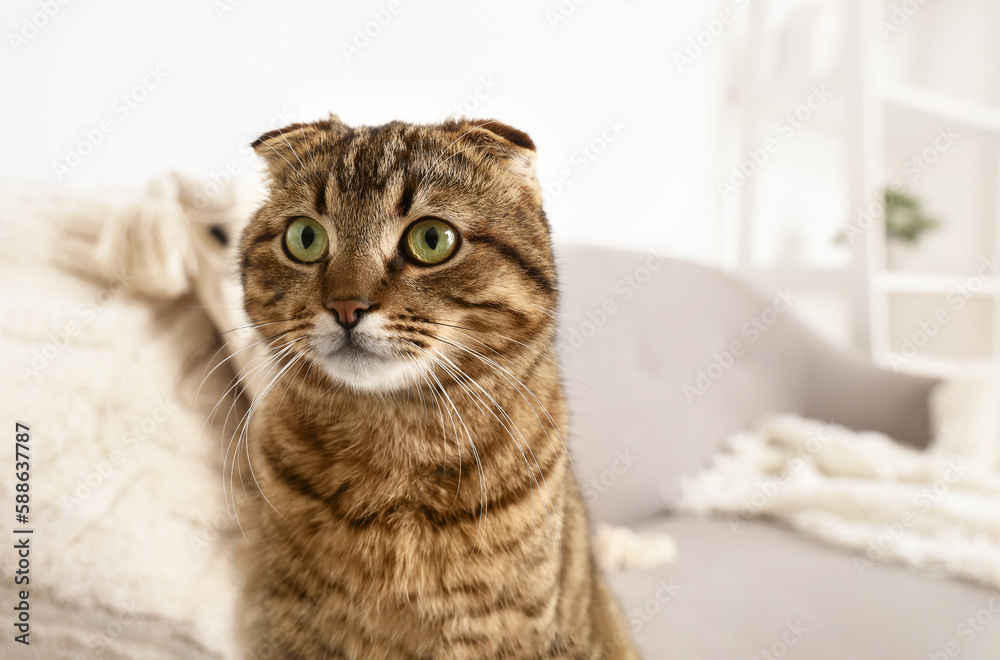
[440, 519]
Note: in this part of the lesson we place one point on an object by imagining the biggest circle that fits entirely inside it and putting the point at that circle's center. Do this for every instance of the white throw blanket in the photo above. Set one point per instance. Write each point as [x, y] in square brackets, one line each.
[938, 509]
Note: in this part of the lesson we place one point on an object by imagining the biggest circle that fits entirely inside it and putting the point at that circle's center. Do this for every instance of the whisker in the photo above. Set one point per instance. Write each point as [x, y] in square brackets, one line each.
[444, 432]
[291, 148]
[504, 337]
[531, 476]
[240, 378]
[264, 114]
[478, 400]
[270, 360]
[543, 356]
[483, 496]
[246, 429]
[237, 352]
[216, 337]
[457, 374]
[283, 158]
[496, 366]
[518, 385]
[229, 492]
[242, 433]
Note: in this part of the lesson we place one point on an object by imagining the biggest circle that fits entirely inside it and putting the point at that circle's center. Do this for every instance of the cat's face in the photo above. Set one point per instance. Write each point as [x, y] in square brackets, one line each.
[397, 255]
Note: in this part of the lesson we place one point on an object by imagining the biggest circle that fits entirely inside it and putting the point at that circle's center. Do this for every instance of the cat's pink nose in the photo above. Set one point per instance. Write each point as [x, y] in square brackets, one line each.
[348, 312]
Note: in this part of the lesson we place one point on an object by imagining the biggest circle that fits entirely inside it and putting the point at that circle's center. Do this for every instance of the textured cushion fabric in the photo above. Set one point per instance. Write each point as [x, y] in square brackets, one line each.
[665, 359]
[760, 591]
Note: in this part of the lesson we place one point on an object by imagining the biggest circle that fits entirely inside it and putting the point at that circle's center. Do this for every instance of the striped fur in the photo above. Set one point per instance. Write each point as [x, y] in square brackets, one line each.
[420, 502]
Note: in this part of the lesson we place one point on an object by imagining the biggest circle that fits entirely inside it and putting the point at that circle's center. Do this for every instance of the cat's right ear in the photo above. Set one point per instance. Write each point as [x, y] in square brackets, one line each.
[286, 150]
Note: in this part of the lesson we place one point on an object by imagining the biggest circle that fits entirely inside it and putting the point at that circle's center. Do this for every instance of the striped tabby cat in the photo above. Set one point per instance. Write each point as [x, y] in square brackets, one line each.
[420, 502]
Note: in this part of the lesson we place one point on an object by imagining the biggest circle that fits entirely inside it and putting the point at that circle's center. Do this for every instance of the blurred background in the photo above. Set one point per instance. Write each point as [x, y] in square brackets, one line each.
[846, 149]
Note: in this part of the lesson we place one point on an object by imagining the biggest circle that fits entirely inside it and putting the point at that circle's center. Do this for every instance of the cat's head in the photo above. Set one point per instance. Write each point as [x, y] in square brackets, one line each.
[390, 256]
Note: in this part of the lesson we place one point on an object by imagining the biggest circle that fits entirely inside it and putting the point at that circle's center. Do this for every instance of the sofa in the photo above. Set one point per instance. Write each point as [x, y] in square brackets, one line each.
[640, 335]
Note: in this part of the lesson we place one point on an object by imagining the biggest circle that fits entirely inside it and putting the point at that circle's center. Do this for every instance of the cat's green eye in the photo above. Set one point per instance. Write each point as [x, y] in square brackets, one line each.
[306, 240]
[430, 241]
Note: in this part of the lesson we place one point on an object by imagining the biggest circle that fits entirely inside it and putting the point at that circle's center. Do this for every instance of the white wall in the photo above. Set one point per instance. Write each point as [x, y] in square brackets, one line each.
[232, 72]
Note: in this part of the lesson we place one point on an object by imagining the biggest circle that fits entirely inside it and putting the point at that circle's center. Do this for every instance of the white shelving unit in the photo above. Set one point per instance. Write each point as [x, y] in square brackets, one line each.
[960, 111]
[885, 282]
[867, 281]
[889, 282]
[859, 127]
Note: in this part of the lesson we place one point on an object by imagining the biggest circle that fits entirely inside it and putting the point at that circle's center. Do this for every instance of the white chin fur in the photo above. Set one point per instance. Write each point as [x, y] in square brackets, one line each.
[368, 374]
[376, 368]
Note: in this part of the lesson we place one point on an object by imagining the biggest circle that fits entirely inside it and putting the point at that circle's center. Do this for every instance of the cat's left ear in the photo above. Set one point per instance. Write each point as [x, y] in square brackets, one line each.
[508, 134]
[509, 144]
[286, 149]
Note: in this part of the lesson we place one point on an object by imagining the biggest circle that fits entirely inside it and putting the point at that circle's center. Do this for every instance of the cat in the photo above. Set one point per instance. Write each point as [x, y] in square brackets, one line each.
[417, 499]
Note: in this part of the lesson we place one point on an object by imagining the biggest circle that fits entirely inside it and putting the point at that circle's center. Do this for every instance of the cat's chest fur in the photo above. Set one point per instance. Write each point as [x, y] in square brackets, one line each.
[424, 542]
[391, 474]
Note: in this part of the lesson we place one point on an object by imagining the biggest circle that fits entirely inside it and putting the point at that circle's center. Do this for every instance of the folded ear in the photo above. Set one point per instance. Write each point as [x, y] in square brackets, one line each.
[499, 141]
[509, 134]
[286, 150]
